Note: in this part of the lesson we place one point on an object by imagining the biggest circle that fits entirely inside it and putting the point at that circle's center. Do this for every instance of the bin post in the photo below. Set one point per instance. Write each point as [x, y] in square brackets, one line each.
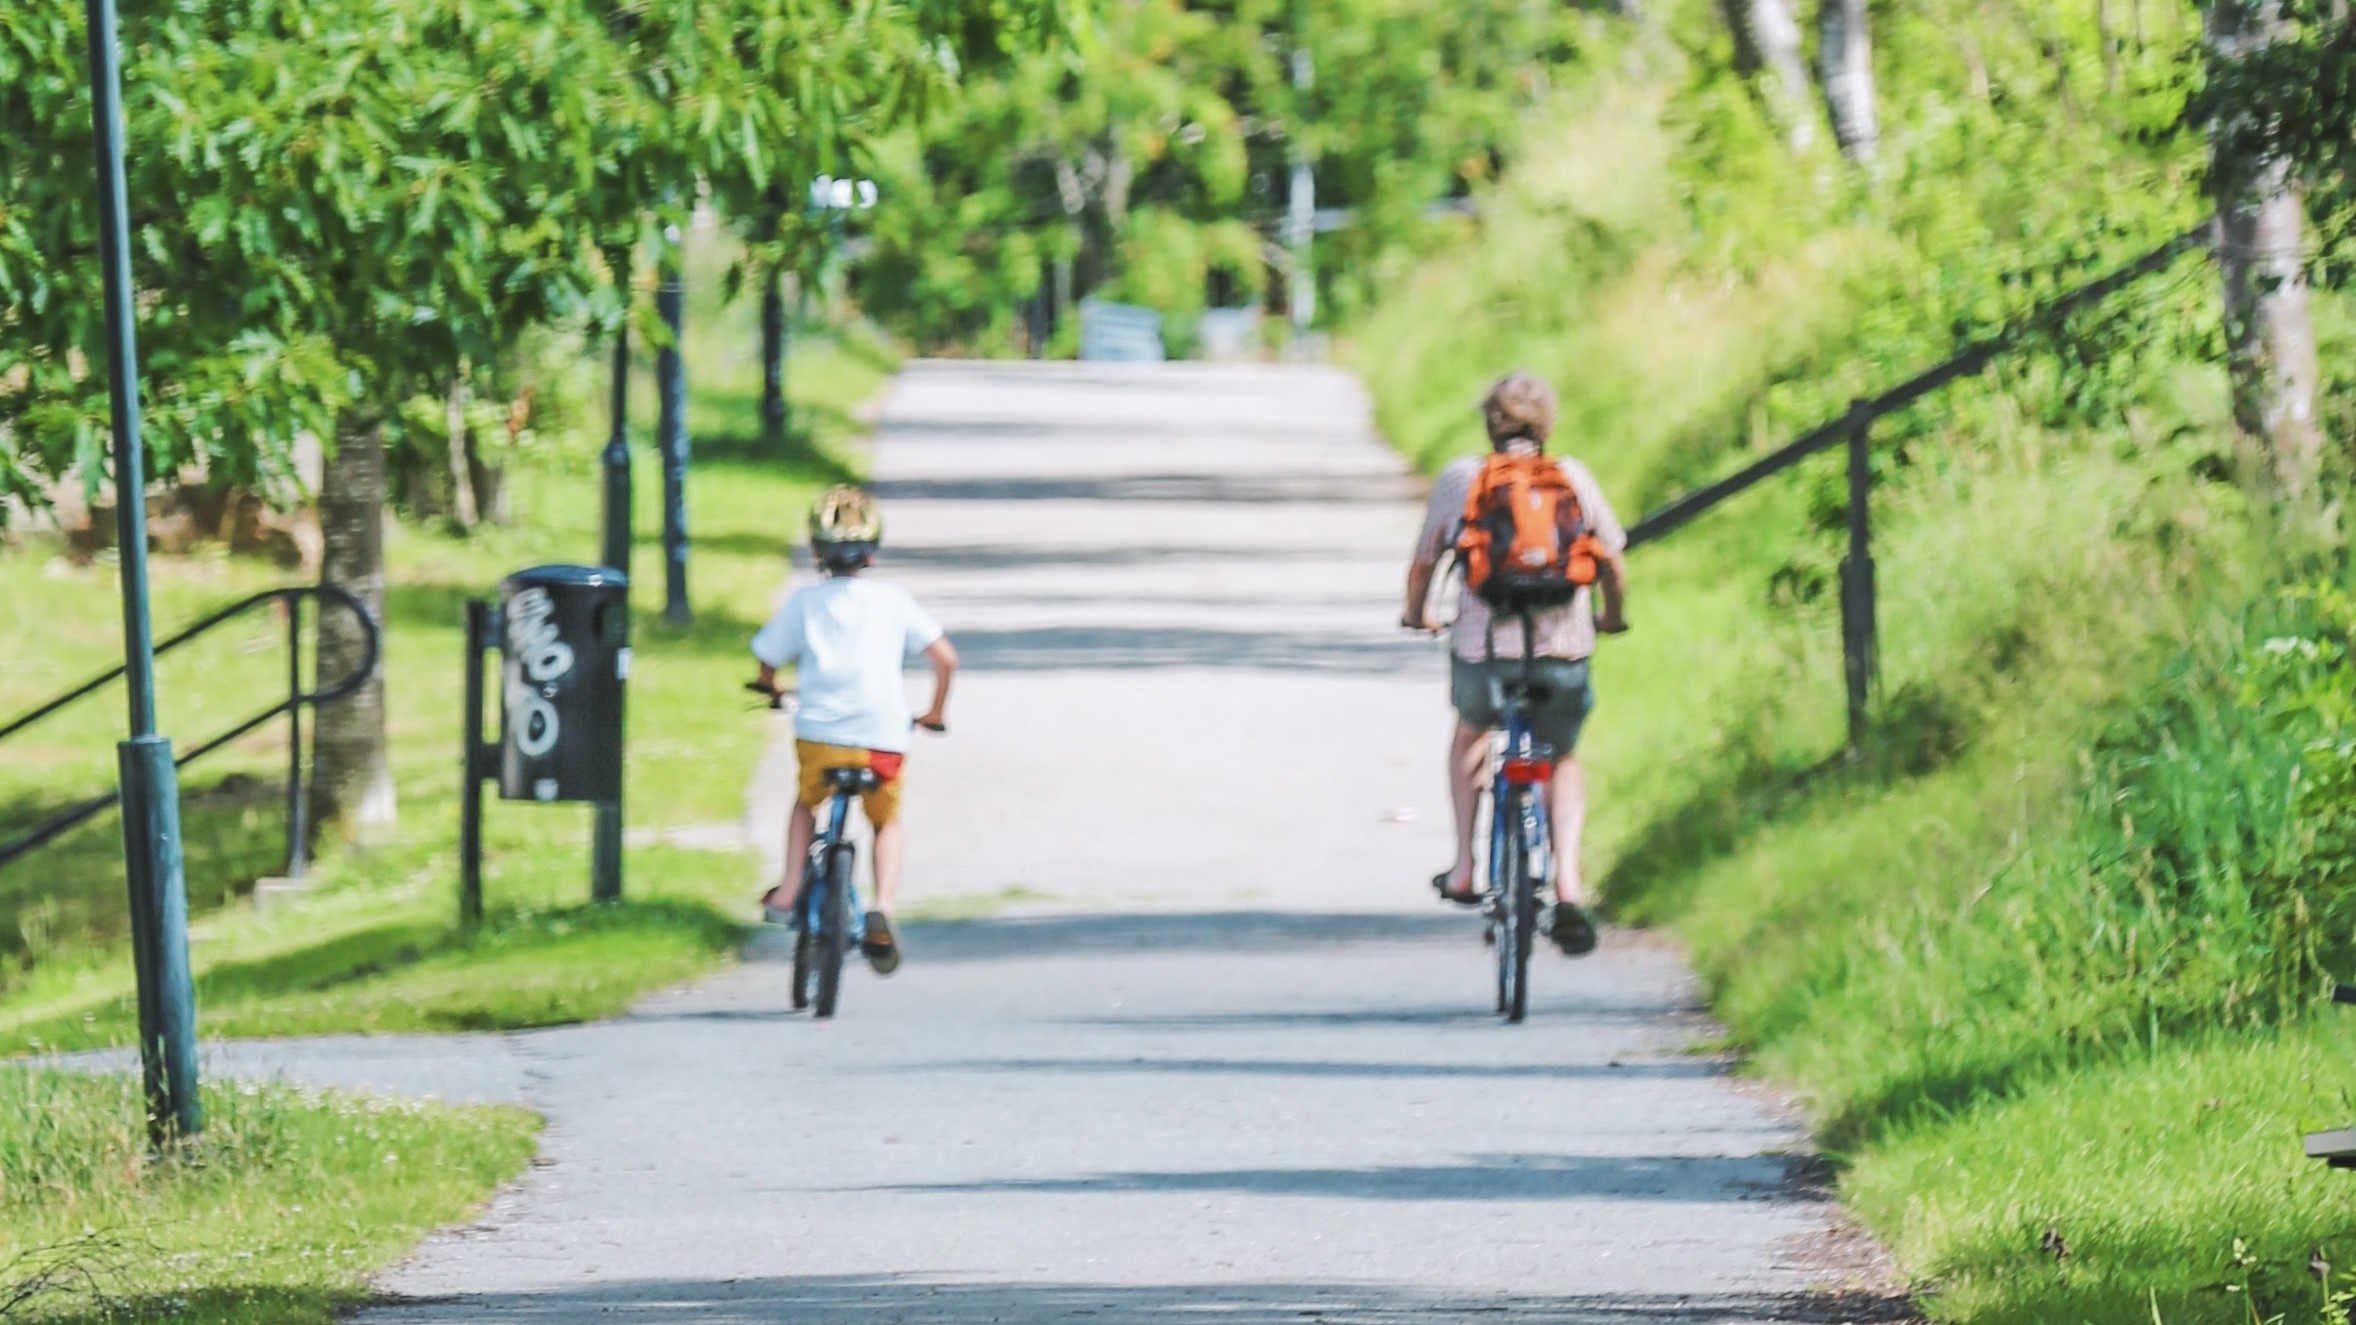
[472, 768]
[1858, 643]
[605, 857]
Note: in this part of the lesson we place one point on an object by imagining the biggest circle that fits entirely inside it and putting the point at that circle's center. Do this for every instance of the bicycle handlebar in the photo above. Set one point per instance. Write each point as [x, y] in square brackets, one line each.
[777, 701]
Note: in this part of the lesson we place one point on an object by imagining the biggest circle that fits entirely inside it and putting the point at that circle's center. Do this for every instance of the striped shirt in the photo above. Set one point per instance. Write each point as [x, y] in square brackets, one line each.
[1562, 632]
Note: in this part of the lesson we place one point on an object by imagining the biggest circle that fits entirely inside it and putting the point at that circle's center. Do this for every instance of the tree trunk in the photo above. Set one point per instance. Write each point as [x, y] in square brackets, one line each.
[2269, 338]
[463, 511]
[1844, 60]
[1767, 49]
[351, 773]
[773, 332]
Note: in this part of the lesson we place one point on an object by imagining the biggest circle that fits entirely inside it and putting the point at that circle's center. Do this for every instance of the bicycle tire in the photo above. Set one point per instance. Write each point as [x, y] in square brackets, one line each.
[1525, 932]
[802, 967]
[834, 912]
[1511, 921]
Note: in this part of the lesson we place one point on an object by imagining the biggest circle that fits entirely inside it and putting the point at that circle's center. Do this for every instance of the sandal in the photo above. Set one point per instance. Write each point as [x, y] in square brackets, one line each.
[881, 952]
[1574, 931]
[1469, 897]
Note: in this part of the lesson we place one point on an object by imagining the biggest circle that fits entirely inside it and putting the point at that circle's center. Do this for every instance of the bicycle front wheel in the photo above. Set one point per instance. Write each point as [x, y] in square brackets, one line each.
[834, 937]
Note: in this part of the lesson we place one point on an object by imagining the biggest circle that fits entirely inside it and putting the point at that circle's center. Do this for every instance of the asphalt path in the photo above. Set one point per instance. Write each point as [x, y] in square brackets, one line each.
[1211, 1051]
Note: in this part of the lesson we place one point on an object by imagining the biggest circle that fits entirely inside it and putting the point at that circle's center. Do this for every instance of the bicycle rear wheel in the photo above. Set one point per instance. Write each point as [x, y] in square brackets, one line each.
[834, 914]
[805, 949]
[1517, 915]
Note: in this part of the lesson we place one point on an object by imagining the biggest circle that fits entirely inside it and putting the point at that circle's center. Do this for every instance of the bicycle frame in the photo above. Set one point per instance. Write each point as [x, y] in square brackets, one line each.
[1521, 763]
[838, 815]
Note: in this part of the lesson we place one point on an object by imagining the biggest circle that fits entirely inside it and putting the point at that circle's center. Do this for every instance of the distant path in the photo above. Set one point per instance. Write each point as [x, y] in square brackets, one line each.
[1230, 1062]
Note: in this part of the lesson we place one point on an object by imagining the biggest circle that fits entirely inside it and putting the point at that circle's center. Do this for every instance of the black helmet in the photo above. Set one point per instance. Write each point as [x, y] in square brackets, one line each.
[845, 528]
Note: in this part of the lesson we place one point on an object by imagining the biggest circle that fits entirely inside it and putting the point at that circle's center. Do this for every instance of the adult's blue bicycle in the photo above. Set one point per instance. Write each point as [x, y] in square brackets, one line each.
[1521, 842]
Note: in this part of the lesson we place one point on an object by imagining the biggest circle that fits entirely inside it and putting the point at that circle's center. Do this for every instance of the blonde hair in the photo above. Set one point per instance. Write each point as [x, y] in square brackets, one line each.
[1519, 406]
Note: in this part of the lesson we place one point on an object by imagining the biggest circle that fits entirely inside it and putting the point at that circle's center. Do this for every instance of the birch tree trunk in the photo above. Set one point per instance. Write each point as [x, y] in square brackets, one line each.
[351, 773]
[1844, 61]
[2269, 337]
[1767, 49]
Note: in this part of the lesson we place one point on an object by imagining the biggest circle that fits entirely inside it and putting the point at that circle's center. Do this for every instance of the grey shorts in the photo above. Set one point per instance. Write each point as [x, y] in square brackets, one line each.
[1564, 698]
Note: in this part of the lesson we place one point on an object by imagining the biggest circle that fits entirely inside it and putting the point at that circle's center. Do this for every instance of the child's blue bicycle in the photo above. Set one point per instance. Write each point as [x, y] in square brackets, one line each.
[831, 917]
[828, 919]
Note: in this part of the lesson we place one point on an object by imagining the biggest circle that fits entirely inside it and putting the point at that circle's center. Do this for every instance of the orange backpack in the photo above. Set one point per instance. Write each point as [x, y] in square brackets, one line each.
[1525, 542]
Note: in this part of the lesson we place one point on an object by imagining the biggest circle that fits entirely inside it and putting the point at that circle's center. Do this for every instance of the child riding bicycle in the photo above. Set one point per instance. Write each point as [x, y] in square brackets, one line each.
[846, 637]
[1487, 646]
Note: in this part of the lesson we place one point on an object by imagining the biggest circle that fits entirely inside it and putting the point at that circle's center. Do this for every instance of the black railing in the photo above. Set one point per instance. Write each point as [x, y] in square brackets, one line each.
[297, 830]
[1859, 646]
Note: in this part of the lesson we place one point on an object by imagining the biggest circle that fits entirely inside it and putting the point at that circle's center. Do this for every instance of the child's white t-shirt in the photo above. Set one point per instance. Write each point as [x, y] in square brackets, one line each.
[848, 637]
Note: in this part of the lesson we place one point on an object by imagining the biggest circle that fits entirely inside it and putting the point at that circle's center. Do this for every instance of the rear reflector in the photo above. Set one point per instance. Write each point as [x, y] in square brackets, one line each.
[1529, 772]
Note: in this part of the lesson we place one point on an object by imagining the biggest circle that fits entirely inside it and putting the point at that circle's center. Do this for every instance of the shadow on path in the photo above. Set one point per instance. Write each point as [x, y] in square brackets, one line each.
[1017, 937]
[1115, 648]
[909, 1300]
[1650, 1068]
[1538, 1177]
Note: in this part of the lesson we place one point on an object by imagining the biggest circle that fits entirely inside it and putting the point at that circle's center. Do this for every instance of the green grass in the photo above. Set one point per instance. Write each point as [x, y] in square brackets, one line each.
[2046, 957]
[276, 1216]
[377, 948]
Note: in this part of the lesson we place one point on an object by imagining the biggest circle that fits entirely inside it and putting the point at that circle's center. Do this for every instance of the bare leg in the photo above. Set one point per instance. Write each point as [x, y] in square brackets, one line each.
[1569, 813]
[1468, 754]
[891, 847]
[800, 827]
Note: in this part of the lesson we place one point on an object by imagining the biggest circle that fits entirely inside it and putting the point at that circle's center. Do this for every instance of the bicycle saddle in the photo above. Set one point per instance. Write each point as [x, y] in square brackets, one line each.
[853, 779]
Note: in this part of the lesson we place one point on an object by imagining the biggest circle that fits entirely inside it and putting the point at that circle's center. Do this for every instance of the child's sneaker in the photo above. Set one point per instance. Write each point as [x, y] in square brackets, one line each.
[882, 952]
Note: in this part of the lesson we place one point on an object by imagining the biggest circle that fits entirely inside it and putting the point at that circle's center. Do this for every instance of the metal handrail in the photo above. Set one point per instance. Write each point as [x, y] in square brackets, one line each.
[1860, 644]
[296, 698]
[1971, 359]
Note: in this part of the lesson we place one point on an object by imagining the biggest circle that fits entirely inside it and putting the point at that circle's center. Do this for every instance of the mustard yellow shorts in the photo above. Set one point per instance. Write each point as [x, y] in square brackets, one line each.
[882, 804]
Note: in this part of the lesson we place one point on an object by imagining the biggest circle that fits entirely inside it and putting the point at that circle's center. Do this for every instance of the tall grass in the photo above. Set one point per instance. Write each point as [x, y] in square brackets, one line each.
[277, 1214]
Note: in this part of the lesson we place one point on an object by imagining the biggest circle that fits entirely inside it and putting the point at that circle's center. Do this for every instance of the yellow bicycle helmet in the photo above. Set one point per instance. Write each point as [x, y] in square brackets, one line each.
[845, 528]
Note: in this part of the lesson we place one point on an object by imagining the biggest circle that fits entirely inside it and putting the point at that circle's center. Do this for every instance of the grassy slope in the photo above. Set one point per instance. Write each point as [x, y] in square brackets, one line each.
[378, 951]
[1998, 1030]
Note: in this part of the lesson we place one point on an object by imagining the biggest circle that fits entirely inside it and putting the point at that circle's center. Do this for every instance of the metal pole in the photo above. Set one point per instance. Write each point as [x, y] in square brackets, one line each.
[1857, 590]
[151, 791]
[605, 870]
[298, 828]
[1301, 199]
[470, 775]
[670, 378]
[616, 458]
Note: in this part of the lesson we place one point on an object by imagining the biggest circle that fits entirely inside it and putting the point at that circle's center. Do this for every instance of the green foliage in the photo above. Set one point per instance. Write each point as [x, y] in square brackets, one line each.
[1155, 161]
[338, 205]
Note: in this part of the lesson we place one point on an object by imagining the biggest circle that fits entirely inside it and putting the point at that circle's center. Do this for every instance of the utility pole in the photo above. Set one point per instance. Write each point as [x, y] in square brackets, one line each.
[670, 380]
[150, 780]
